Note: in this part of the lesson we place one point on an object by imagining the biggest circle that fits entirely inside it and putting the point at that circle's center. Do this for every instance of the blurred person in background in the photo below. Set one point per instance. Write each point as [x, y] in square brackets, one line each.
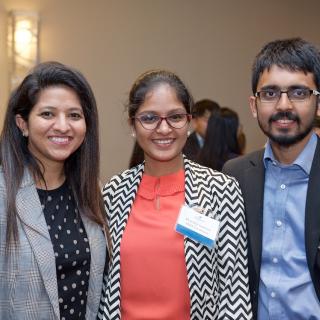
[242, 140]
[137, 155]
[221, 140]
[316, 127]
[201, 113]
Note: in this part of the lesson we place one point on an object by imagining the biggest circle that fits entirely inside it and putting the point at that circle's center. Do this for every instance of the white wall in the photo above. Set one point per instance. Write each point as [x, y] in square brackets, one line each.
[209, 43]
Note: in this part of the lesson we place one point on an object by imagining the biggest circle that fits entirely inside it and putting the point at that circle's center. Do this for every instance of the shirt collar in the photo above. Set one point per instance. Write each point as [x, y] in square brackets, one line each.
[167, 185]
[200, 140]
[304, 160]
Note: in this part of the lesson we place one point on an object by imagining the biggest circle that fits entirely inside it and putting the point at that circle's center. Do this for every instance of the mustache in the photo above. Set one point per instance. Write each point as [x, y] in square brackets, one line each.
[284, 115]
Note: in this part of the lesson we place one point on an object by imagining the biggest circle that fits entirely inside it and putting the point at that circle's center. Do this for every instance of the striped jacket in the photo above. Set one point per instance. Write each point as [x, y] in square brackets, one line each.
[217, 278]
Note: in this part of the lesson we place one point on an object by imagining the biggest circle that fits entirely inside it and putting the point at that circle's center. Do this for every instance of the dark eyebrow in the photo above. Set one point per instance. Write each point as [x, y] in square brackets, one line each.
[274, 87]
[270, 87]
[76, 109]
[72, 109]
[297, 86]
[174, 111]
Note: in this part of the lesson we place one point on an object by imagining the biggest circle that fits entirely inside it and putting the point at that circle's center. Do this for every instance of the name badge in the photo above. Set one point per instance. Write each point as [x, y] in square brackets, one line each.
[197, 226]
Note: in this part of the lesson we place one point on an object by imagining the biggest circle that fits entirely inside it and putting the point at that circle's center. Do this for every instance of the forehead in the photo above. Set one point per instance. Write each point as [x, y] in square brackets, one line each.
[162, 98]
[285, 78]
[56, 96]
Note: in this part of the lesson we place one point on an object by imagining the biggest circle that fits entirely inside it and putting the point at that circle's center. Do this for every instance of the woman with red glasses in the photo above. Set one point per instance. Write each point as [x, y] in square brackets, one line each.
[177, 228]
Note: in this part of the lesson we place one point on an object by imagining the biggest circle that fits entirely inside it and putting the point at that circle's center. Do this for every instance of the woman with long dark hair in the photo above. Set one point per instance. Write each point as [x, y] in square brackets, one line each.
[221, 141]
[52, 242]
[161, 267]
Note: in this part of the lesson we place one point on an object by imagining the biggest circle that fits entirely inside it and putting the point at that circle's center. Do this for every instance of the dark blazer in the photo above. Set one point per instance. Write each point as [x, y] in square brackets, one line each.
[192, 147]
[217, 278]
[250, 172]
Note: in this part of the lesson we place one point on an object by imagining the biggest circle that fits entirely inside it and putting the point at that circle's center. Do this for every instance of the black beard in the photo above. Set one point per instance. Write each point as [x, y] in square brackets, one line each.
[283, 140]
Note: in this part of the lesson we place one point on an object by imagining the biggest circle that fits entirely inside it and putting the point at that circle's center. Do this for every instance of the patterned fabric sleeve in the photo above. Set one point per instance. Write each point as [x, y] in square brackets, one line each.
[107, 196]
[234, 302]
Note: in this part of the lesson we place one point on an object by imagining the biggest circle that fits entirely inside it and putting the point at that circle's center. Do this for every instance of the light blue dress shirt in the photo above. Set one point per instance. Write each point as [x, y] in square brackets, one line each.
[286, 290]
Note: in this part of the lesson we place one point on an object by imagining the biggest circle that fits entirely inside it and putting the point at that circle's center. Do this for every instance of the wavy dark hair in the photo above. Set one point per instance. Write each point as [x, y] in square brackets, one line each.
[148, 81]
[81, 168]
[221, 140]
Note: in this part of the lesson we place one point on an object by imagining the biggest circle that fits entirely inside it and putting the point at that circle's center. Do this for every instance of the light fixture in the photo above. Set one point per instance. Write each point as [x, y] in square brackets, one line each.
[23, 35]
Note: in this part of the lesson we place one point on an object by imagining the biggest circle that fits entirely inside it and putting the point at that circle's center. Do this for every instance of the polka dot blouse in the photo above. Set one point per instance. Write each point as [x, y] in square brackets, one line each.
[71, 249]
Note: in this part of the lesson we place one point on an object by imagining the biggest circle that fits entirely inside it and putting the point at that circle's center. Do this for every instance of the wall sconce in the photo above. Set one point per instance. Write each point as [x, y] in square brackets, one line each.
[23, 44]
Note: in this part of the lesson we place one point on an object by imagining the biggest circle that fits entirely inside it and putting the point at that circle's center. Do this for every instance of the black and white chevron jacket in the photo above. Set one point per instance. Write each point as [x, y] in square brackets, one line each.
[218, 278]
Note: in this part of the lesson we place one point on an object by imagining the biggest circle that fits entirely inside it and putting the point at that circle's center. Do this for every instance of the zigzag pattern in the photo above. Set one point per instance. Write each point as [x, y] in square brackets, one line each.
[118, 196]
[218, 278]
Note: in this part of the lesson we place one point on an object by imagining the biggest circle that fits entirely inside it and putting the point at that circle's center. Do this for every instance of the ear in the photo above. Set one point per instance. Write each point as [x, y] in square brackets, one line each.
[318, 107]
[132, 128]
[253, 105]
[22, 125]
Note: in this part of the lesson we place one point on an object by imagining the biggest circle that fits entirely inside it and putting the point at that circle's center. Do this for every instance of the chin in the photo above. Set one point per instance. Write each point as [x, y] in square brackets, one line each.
[165, 157]
[60, 158]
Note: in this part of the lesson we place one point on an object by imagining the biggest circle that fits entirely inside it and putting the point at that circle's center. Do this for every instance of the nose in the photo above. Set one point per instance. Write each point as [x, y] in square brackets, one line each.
[163, 127]
[284, 102]
[61, 123]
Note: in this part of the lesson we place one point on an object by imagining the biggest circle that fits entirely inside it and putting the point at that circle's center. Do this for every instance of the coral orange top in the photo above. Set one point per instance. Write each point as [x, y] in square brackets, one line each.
[154, 281]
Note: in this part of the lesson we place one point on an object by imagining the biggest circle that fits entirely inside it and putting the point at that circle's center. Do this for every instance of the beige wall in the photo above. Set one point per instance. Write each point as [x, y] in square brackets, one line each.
[210, 44]
[4, 77]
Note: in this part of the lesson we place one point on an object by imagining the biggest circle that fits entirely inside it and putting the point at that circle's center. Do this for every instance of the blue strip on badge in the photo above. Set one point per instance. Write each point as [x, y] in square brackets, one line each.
[195, 236]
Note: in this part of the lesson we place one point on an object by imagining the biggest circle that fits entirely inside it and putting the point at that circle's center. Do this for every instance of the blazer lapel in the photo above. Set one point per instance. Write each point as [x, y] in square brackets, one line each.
[120, 199]
[253, 189]
[191, 190]
[35, 227]
[98, 249]
[123, 199]
[312, 215]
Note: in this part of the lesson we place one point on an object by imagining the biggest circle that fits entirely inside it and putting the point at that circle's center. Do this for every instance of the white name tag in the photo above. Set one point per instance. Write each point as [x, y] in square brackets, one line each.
[197, 226]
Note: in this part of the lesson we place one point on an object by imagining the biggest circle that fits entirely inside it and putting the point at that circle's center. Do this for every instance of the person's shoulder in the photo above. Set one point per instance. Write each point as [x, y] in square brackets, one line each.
[209, 175]
[27, 180]
[2, 181]
[126, 175]
[241, 161]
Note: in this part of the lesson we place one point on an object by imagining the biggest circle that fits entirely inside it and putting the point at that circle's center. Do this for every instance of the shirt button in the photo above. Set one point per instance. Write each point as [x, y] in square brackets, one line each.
[278, 223]
[275, 260]
[273, 294]
[283, 186]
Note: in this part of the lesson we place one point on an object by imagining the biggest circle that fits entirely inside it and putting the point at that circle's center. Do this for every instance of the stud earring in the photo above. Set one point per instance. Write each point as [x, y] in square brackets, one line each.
[188, 133]
[133, 134]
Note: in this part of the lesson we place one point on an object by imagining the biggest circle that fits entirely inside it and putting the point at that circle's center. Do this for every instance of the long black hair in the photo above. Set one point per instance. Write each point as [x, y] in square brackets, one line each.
[221, 140]
[81, 168]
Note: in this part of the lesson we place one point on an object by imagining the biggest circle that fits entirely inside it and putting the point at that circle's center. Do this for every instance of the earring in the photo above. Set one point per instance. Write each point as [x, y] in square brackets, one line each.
[133, 134]
[188, 133]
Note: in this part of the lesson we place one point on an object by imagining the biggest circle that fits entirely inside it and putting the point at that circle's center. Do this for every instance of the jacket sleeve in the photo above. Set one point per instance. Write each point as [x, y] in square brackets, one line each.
[232, 255]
